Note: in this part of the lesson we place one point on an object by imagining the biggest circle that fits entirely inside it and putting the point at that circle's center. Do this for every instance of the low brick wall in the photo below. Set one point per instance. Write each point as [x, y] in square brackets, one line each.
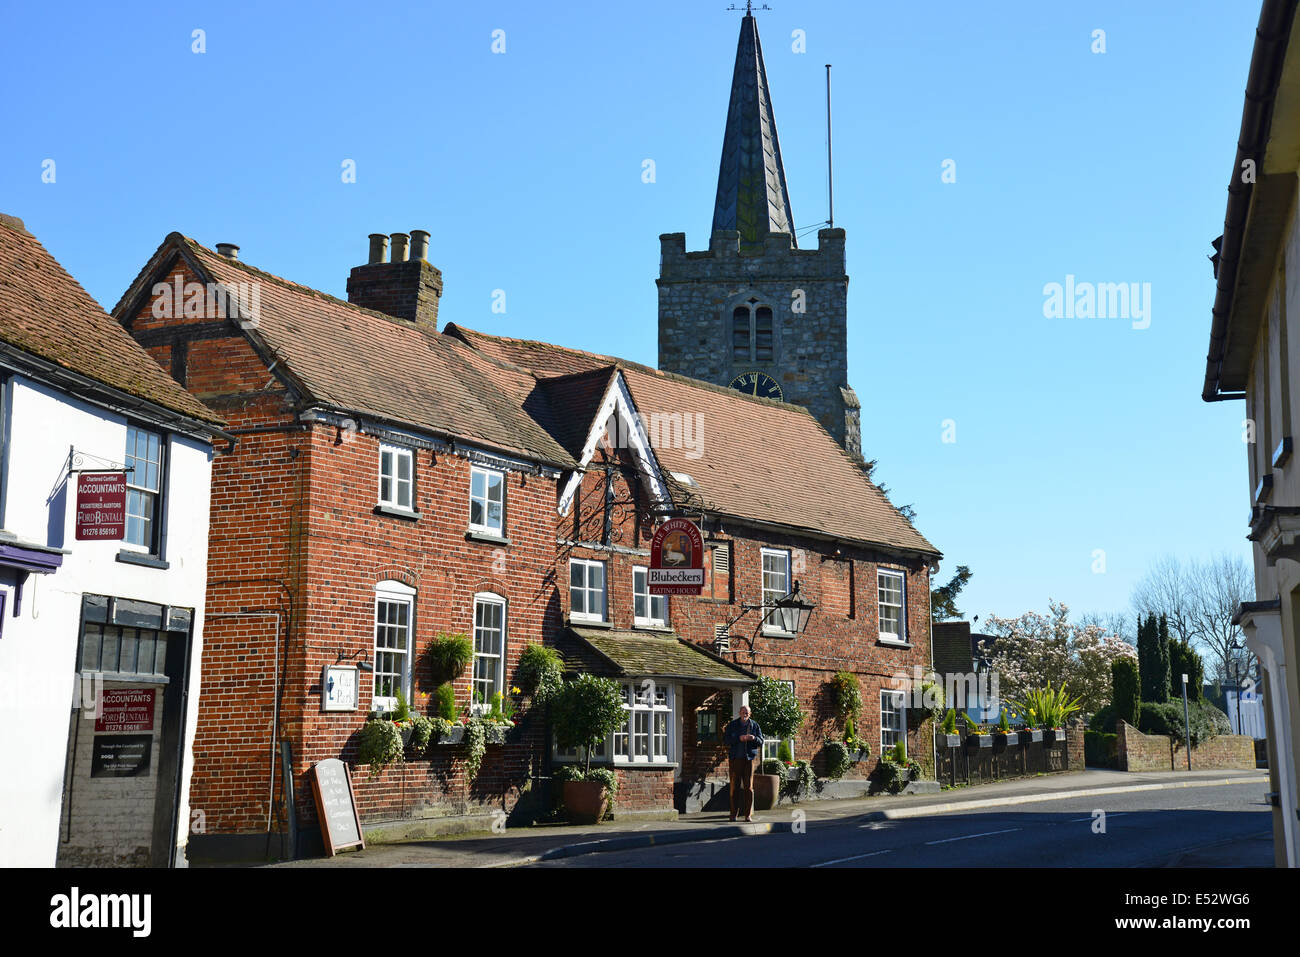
[1159, 752]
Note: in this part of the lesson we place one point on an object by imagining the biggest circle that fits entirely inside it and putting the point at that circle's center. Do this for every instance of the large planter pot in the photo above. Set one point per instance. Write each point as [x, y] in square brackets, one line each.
[584, 801]
[406, 733]
[976, 741]
[766, 789]
[947, 740]
[455, 736]
[1036, 736]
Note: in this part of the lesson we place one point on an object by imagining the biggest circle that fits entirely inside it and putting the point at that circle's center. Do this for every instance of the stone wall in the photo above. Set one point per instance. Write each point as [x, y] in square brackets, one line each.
[807, 290]
[1158, 752]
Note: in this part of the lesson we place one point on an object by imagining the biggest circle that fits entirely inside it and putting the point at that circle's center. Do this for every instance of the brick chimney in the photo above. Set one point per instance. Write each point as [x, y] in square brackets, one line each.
[406, 288]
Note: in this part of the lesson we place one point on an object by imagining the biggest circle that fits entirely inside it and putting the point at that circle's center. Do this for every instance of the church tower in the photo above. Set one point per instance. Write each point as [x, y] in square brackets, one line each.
[754, 311]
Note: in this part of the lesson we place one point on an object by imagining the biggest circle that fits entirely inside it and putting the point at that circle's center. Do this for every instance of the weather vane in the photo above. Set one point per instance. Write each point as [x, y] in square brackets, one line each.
[749, 7]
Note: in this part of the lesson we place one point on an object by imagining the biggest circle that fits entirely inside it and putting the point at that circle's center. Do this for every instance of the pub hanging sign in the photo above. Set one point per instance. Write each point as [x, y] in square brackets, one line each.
[101, 506]
[676, 559]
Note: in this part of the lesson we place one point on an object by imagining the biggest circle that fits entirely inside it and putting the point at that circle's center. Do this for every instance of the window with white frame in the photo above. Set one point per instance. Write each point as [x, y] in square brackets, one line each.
[144, 462]
[647, 736]
[489, 648]
[776, 584]
[586, 590]
[893, 718]
[394, 617]
[396, 481]
[487, 500]
[647, 609]
[771, 745]
[892, 590]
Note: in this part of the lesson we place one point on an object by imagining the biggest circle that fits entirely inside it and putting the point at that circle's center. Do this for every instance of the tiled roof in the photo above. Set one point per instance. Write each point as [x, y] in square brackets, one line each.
[630, 654]
[756, 459]
[45, 312]
[364, 361]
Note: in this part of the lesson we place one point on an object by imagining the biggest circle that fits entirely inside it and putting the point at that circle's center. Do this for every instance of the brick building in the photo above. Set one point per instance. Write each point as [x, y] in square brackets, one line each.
[390, 482]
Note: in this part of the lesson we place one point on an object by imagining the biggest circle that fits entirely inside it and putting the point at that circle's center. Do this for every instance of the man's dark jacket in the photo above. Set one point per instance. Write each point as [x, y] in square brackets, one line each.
[743, 749]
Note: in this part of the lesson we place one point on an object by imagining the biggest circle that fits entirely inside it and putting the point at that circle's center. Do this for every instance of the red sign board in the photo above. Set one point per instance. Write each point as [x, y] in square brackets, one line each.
[101, 506]
[676, 559]
[126, 709]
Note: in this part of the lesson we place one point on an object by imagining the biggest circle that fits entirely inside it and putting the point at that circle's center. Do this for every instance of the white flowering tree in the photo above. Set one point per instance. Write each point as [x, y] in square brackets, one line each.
[1036, 650]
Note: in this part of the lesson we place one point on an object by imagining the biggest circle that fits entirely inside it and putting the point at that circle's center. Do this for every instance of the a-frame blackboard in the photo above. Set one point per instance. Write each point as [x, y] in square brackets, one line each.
[336, 806]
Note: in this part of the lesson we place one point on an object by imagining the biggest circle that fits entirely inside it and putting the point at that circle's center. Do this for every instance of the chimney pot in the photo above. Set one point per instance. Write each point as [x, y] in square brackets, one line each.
[229, 250]
[401, 243]
[378, 248]
[419, 244]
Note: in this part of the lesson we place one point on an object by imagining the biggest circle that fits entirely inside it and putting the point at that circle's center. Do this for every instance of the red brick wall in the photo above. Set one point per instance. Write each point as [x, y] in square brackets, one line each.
[1159, 752]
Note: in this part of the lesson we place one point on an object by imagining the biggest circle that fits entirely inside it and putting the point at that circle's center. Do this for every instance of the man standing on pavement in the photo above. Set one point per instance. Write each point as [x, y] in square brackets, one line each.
[744, 744]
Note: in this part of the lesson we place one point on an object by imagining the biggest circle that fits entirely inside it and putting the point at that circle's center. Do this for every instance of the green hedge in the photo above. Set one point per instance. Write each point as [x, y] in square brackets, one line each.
[1167, 718]
[1100, 749]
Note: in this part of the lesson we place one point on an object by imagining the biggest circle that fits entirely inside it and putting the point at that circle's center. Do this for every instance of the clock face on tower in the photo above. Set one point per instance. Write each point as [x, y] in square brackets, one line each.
[758, 383]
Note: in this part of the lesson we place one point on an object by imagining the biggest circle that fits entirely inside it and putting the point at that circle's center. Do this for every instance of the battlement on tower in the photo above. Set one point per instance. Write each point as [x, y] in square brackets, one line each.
[777, 257]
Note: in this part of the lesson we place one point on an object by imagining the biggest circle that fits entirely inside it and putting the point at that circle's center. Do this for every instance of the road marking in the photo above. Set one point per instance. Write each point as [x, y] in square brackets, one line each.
[967, 837]
[856, 857]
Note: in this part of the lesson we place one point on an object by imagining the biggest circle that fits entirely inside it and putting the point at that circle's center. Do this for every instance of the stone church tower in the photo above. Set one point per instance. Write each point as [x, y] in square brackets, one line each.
[754, 311]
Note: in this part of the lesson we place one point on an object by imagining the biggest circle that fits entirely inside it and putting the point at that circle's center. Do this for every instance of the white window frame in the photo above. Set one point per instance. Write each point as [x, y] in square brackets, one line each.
[900, 698]
[485, 501]
[586, 564]
[394, 453]
[499, 678]
[887, 637]
[393, 592]
[635, 703]
[773, 620]
[641, 589]
[138, 487]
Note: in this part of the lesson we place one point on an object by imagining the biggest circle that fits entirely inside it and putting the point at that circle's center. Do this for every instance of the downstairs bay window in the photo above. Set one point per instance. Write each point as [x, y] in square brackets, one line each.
[646, 737]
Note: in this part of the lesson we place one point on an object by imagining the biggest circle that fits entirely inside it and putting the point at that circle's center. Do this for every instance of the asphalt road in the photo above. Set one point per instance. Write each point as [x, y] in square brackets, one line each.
[1226, 825]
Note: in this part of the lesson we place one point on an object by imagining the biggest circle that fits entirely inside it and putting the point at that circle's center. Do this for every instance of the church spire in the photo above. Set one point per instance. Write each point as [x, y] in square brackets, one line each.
[752, 195]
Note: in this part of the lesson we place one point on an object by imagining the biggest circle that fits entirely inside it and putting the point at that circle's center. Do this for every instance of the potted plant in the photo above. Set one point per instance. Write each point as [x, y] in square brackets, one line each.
[858, 747]
[947, 736]
[767, 785]
[1004, 737]
[976, 737]
[895, 769]
[1052, 707]
[585, 712]
[448, 656]
[774, 706]
[540, 673]
[447, 728]
[837, 759]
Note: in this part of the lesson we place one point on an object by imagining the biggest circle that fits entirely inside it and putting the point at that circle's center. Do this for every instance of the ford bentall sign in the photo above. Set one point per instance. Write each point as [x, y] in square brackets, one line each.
[676, 559]
[101, 506]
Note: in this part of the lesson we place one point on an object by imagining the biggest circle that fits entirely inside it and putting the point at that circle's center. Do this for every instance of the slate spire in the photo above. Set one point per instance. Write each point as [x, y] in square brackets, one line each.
[752, 195]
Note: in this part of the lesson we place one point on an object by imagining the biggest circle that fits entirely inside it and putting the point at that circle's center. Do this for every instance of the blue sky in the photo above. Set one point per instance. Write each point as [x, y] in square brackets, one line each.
[1072, 435]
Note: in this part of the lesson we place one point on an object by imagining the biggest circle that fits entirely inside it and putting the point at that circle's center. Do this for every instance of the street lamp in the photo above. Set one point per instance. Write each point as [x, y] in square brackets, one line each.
[1236, 681]
[791, 611]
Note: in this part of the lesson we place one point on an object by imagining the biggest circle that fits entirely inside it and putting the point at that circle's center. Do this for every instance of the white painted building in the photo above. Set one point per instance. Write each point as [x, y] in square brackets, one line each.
[100, 640]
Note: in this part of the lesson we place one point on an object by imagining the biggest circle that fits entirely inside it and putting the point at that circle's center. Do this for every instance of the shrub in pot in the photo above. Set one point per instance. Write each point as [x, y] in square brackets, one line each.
[540, 673]
[774, 706]
[1003, 736]
[584, 712]
[947, 736]
[976, 737]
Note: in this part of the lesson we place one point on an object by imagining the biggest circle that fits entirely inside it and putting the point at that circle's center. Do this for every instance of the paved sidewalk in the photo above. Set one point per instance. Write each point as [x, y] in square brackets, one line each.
[549, 841]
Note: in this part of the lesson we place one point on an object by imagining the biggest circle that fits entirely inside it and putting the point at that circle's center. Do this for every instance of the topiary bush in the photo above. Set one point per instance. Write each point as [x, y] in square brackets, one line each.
[1126, 690]
[774, 706]
[783, 752]
[1184, 660]
[773, 766]
[444, 702]
[585, 711]
[837, 759]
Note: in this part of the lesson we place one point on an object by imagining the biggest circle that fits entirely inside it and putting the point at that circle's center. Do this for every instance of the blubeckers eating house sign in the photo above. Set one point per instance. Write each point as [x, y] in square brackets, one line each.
[676, 559]
[101, 506]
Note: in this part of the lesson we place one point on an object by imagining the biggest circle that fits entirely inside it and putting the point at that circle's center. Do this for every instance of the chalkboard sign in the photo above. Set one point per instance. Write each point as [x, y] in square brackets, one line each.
[336, 806]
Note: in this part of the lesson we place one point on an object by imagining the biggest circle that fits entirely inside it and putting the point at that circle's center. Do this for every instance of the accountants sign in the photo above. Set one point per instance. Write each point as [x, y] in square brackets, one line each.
[101, 506]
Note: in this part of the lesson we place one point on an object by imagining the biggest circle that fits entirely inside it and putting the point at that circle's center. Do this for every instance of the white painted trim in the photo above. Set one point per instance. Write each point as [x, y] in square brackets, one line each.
[394, 591]
[487, 528]
[586, 615]
[618, 399]
[396, 451]
[888, 637]
[488, 598]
